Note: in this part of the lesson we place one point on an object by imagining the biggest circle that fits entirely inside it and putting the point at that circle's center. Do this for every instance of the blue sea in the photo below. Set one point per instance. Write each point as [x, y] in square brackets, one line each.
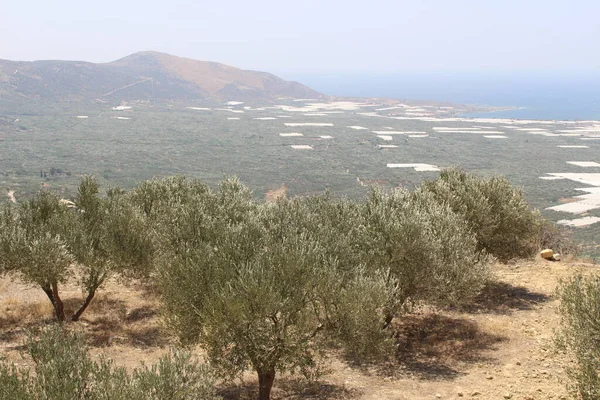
[547, 96]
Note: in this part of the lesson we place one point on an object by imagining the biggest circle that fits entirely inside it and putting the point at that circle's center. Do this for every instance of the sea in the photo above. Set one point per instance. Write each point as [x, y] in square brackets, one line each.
[541, 96]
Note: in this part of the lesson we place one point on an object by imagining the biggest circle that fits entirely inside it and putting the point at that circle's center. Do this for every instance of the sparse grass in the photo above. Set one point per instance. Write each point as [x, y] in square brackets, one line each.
[16, 313]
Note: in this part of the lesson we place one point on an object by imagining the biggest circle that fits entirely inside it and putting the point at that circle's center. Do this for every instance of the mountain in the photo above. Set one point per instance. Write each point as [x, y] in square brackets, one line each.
[141, 76]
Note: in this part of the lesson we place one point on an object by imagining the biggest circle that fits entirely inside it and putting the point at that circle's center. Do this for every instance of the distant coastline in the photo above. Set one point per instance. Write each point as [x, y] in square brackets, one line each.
[564, 97]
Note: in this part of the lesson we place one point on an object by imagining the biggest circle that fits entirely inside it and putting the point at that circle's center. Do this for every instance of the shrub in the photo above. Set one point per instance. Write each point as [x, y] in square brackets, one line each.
[426, 247]
[63, 370]
[580, 334]
[495, 211]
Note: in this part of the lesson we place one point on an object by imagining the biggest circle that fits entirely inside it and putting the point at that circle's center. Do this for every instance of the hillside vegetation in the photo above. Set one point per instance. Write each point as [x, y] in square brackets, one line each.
[141, 76]
[267, 287]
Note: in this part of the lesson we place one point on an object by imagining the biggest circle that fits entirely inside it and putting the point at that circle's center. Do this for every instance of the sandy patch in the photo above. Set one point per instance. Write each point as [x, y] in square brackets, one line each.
[585, 164]
[233, 118]
[574, 147]
[273, 195]
[420, 114]
[292, 124]
[583, 203]
[265, 118]
[234, 103]
[326, 137]
[390, 108]
[417, 136]
[387, 146]
[198, 108]
[301, 147]
[315, 114]
[121, 108]
[357, 128]
[464, 131]
[579, 130]
[495, 136]
[284, 116]
[11, 196]
[385, 137]
[399, 132]
[551, 178]
[419, 167]
[592, 179]
[585, 221]
[447, 128]
[291, 134]
[82, 117]
[230, 110]
[320, 107]
[121, 118]
[578, 207]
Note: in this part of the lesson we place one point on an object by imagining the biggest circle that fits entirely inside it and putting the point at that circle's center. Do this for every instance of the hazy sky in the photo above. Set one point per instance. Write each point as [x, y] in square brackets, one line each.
[310, 36]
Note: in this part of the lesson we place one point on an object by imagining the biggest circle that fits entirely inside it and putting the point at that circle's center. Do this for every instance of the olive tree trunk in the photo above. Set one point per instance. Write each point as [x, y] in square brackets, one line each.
[265, 383]
[52, 293]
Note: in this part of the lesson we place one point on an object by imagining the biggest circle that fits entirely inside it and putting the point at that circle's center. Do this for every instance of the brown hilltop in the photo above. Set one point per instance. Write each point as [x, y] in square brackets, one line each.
[144, 75]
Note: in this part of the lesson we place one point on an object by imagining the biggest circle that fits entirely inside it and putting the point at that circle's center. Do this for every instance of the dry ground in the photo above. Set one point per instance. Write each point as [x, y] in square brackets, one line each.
[497, 347]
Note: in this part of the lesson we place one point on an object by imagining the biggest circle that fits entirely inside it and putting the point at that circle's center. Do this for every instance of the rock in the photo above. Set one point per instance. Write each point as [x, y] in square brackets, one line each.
[438, 396]
[547, 254]
[475, 393]
[489, 377]
[518, 363]
[460, 394]
[507, 396]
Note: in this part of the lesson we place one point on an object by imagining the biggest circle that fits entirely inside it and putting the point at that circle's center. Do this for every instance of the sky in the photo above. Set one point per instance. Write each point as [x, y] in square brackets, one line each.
[314, 36]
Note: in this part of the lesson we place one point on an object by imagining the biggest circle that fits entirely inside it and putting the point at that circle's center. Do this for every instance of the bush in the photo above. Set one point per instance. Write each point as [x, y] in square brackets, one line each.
[580, 334]
[497, 212]
[63, 370]
[425, 246]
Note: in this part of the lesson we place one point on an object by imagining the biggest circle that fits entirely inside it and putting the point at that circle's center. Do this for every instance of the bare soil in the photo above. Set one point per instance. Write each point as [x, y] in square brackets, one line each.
[499, 346]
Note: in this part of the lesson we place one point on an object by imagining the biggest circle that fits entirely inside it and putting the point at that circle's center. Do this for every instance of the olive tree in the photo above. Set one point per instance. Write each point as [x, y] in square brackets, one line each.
[259, 290]
[422, 246]
[33, 244]
[46, 242]
[496, 211]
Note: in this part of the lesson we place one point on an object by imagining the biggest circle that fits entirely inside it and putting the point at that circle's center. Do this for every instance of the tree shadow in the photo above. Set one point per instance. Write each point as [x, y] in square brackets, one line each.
[429, 346]
[108, 322]
[141, 313]
[290, 388]
[503, 298]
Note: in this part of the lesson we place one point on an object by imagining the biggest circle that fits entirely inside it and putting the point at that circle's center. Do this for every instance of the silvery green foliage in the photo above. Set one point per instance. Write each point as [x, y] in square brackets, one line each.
[262, 286]
[580, 334]
[45, 242]
[63, 370]
[496, 212]
[424, 246]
